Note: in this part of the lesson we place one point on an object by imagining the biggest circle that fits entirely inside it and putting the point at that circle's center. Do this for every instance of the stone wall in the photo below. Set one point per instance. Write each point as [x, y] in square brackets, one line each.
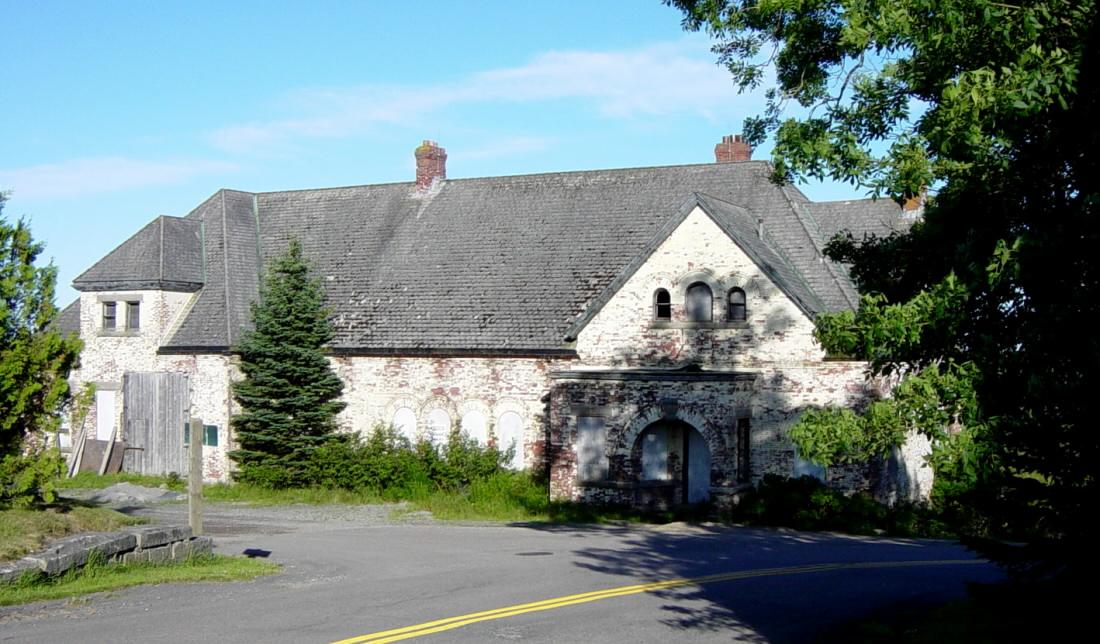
[149, 544]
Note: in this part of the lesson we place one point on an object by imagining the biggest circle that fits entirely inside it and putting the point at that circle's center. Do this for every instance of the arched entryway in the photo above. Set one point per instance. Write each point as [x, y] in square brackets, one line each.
[672, 463]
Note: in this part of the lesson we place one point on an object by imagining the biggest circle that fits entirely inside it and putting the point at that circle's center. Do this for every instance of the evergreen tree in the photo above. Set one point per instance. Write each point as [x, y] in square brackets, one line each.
[289, 396]
[35, 361]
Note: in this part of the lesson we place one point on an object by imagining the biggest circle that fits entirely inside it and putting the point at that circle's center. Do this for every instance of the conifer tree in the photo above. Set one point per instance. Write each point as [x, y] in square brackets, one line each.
[35, 361]
[289, 396]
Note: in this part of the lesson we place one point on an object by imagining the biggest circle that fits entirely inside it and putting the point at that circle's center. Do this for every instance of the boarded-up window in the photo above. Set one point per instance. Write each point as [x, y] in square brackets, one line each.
[105, 414]
[591, 449]
[474, 425]
[133, 315]
[699, 303]
[802, 467]
[662, 305]
[744, 449]
[655, 454]
[439, 426]
[404, 421]
[509, 433]
[737, 310]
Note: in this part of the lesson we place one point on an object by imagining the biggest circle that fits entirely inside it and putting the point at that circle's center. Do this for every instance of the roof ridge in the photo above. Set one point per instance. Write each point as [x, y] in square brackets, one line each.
[512, 176]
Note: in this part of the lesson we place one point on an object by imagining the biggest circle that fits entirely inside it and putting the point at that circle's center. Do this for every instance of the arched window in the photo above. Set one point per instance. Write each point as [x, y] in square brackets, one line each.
[439, 426]
[404, 421]
[475, 426]
[737, 310]
[699, 303]
[509, 434]
[662, 305]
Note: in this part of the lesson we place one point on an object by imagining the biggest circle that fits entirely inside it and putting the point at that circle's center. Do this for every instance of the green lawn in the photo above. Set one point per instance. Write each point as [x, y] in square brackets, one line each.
[96, 578]
[26, 531]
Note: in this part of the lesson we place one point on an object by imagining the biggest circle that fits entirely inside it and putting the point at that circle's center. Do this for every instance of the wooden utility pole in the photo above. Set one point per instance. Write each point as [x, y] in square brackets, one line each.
[194, 478]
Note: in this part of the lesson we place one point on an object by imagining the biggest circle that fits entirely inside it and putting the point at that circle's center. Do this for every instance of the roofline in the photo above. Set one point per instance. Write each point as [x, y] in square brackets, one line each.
[96, 286]
[354, 352]
[506, 176]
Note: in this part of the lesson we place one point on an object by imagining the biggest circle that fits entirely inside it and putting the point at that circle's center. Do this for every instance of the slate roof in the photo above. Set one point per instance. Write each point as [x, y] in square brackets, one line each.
[861, 218]
[68, 319]
[497, 265]
[164, 255]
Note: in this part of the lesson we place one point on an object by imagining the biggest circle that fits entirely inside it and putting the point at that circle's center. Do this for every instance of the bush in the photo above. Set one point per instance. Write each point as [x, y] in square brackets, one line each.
[29, 478]
[805, 503]
[386, 462]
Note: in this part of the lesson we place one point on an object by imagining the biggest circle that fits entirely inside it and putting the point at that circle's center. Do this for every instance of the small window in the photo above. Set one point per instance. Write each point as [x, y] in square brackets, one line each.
[662, 305]
[699, 303]
[133, 315]
[110, 315]
[744, 448]
[209, 435]
[737, 310]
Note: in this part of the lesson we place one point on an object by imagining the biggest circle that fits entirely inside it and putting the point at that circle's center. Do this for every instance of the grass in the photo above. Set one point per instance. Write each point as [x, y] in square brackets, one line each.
[95, 481]
[25, 531]
[97, 577]
[255, 495]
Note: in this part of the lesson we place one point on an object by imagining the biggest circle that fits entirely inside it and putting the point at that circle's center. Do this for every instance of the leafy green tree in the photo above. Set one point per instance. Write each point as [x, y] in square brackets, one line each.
[990, 107]
[35, 361]
[289, 396]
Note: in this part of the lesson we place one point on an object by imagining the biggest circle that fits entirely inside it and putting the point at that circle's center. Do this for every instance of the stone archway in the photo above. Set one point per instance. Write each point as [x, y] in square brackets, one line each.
[673, 463]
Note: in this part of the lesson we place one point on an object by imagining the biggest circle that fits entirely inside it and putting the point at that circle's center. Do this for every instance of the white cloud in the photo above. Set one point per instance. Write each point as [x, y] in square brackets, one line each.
[656, 80]
[79, 177]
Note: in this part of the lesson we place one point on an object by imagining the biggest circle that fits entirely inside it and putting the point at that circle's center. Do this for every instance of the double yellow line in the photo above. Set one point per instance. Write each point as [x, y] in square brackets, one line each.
[439, 625]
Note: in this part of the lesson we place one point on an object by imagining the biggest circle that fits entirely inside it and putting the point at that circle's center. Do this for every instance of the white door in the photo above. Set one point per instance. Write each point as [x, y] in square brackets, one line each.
[105, 415]
[655, 454]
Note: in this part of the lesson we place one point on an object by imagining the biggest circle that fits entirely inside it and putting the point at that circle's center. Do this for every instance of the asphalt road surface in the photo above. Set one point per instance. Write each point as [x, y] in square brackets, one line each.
[356, 574]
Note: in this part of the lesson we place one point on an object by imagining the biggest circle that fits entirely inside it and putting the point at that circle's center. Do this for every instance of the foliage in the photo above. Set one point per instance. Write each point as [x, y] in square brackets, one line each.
[805, 503]
[97, 577]
[388, 463]
[26, 530]
[989, 106]
[35, 361]
[289, 396]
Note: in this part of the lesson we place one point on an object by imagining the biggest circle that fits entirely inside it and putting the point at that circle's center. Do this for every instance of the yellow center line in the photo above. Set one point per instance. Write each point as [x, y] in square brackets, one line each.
[439, 625]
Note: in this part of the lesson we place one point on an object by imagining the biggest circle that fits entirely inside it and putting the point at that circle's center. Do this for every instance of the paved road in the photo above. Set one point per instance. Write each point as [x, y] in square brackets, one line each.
[355, 572]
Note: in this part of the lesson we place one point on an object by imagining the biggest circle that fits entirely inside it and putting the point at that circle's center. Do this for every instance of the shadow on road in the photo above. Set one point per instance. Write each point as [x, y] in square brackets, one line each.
[777, 606]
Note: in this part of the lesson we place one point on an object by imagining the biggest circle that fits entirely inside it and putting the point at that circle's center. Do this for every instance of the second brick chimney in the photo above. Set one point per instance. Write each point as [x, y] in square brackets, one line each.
[732, 148]
[431, 164]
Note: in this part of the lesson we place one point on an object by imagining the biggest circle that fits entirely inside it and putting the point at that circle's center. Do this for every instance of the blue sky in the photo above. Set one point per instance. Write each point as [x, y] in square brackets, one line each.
[112, 113]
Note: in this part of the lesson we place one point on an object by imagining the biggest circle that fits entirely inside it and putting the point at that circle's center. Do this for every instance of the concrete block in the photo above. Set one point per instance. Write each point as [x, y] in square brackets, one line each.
[153, 536]
[73, 552]
[180, 550]
[159, 554]
[12, 571]
[202, 546]
[135, 557]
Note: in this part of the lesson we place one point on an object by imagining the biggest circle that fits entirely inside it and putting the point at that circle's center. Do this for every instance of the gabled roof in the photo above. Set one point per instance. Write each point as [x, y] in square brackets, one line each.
[487, 266]
[864, 217]
[68, 318]
[743, 229]
[164, 255]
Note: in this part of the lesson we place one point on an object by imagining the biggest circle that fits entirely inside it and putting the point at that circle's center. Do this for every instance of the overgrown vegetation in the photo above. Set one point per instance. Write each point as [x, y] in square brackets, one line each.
[35, 361]
[289, 395]
[91, 480]
[805, 503]
[984, 311]
[23, 531]
[98, 576]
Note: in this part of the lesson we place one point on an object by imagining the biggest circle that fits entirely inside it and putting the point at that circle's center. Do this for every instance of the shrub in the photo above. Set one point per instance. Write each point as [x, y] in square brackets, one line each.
[30, 477]
[805, 503]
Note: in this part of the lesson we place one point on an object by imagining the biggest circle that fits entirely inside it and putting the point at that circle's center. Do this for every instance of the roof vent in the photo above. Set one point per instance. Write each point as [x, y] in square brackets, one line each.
[431, 165]
[732, 148]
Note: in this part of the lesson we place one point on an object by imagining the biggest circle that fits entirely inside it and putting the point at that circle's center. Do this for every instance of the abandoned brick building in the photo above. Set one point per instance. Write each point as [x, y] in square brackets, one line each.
[646, 334]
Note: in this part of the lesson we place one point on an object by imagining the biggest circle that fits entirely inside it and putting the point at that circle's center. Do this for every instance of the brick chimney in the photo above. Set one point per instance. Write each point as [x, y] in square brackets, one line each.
[732, 148]
[431, 164]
